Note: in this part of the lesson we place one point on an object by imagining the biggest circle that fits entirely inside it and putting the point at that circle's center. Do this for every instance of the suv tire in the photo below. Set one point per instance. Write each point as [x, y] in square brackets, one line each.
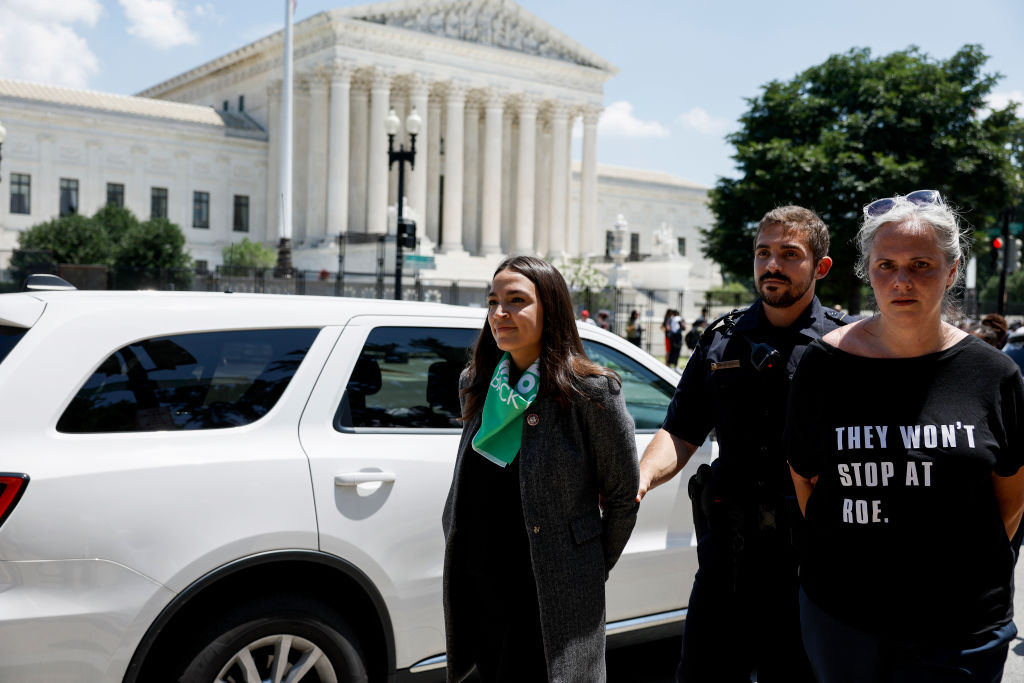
[242, 646]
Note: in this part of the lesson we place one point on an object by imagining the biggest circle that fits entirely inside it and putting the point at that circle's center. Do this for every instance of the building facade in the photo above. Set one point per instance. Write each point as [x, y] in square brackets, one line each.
[498, 92]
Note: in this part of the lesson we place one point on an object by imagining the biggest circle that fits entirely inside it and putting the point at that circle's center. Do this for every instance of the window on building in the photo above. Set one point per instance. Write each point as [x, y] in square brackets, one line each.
[209, 380]
[609, 243]
[68, 196]
[681, 241]
[240, 222]
[634, 246]
[115, 195]
[225, 105]
[158, 202]
[21, 193]
[241, 103]
[200, 209]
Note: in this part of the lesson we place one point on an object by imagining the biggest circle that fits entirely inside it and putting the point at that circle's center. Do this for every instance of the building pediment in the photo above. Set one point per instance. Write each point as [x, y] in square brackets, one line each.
[495, 23]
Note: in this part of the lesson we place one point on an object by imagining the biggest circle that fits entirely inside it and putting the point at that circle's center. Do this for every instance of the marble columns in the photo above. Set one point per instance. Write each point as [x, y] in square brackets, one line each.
[316, 173]
[557, 233]
[455, 101]
[525, 182]
[377, 161]
[417, 187]
[338, 150]
[490, 222]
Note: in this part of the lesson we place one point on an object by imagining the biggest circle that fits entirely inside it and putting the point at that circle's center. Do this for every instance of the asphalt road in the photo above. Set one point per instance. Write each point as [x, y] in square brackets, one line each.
[655, 662]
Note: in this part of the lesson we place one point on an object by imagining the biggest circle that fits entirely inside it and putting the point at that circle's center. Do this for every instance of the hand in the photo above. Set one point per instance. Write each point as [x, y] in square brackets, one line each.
[645, 486]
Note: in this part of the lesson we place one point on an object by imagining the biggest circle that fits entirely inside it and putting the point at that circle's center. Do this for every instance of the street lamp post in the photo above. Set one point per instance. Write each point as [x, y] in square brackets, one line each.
[3, 136]
[405, 230]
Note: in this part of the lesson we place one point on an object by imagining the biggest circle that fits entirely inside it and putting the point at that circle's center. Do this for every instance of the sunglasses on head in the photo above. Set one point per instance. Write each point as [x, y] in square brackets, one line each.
[919, 197]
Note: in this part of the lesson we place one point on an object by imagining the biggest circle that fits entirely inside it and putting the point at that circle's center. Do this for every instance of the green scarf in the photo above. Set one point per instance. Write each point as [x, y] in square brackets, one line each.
[501, 424]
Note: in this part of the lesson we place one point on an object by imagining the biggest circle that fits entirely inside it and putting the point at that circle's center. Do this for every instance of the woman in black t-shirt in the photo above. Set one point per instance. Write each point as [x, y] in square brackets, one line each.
[910, 477]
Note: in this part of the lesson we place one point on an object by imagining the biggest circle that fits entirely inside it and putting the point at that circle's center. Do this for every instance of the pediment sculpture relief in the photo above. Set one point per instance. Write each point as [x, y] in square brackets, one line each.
[484, 22]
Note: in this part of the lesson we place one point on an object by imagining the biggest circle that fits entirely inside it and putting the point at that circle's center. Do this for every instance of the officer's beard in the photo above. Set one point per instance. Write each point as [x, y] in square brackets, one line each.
[783, 297]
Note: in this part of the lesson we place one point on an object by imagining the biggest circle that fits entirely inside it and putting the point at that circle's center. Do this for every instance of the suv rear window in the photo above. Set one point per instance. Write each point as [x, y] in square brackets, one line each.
[9, 336]
[407, 378]
[209, 380]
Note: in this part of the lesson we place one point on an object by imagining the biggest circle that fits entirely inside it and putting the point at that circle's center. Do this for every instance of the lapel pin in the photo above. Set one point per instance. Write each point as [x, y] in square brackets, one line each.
[532, 419]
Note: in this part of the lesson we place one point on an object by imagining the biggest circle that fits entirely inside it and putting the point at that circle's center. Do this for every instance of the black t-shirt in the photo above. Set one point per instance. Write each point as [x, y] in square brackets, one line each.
[491, 523]
[904, 538]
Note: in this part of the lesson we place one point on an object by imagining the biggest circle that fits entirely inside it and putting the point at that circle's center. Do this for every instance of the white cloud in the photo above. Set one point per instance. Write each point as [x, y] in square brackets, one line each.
[55, 11]
[998, 100]
[701, 121]
[207, 12]
[160, 22]
[617, 120]
[39, 42]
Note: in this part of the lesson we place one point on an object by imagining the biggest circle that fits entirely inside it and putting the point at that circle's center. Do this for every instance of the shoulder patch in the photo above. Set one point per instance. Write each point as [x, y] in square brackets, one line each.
[838, 317]
[727, 318]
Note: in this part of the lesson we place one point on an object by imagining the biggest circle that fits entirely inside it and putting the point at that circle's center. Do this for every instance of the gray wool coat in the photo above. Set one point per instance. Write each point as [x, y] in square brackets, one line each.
[567, 460]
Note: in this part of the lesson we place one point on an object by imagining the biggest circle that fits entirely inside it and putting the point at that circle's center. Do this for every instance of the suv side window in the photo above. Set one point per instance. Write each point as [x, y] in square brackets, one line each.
[208, 380]
[9, 336]
[647, 395]
[407, 377]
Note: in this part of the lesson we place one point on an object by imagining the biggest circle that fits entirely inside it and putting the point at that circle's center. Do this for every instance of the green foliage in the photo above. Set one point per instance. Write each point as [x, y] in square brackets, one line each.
[151, 253]
[117, 221]
[857, 128]
[730, 294]
[246, 254]
[145, 254]
[580, 274]
[70, 239]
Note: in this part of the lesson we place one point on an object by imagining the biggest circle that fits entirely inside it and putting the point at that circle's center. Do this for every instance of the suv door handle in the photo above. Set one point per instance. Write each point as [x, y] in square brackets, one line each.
[357, 478]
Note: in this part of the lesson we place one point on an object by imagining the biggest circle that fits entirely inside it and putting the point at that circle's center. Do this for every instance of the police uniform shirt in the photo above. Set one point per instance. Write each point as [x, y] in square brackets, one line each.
[722, 390]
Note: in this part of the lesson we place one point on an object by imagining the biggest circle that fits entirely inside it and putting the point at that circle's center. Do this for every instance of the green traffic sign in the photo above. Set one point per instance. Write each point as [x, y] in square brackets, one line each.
[1016, 228]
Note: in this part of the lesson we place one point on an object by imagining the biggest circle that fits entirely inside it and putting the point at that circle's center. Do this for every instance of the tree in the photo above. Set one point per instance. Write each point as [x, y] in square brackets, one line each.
[151, 254]
[70, 239]
[117, 221]
[246, 254]
[857, 128]
[580, 274]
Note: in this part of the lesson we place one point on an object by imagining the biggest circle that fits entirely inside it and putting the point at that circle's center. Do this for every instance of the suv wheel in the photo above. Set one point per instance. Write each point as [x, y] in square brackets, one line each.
[277, 640]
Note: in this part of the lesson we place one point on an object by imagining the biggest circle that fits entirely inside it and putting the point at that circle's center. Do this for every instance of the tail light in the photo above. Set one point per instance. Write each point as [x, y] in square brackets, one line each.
[11, 488]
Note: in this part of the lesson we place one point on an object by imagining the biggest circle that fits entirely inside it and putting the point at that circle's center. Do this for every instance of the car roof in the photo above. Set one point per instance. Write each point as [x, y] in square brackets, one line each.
[236, 308]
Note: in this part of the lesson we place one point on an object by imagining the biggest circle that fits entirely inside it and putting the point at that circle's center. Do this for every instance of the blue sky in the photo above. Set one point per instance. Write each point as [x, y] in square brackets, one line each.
[685, 67]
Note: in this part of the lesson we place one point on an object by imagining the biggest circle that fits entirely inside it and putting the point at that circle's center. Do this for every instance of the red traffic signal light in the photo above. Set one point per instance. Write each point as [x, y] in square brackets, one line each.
[997, 243]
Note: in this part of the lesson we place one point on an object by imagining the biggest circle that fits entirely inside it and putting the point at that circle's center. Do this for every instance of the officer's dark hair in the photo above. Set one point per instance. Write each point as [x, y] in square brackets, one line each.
[564, 365]
[803, 220]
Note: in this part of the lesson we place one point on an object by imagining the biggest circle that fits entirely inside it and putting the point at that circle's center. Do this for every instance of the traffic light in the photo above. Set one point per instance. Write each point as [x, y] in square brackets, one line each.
[1015, 253]
[997, 253]
[407, 233]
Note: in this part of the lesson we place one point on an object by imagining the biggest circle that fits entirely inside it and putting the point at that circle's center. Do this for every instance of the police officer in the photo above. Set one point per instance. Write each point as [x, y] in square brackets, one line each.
[743, 612]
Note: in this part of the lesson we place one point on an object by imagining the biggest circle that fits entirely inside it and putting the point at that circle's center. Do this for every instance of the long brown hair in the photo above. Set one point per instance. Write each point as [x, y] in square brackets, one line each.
[563, 362]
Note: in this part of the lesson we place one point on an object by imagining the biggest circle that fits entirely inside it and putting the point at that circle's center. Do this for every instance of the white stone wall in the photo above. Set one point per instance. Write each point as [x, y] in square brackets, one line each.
[50, 142]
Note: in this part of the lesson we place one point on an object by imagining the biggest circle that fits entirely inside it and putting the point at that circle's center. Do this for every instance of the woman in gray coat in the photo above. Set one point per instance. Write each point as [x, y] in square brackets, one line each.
[529, 546]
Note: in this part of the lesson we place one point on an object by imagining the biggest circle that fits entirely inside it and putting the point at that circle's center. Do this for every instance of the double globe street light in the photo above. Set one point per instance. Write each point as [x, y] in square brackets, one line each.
[406, 228]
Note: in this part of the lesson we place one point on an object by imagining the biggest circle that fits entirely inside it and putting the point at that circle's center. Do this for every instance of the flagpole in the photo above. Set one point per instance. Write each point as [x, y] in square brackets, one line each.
[284, 225]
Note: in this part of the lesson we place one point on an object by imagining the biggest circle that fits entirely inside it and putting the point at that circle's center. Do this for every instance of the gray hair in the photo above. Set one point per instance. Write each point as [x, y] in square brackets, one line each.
[954, 240]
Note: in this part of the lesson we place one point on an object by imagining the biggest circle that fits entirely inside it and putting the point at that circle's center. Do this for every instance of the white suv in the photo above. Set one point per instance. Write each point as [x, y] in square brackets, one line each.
[228, 487]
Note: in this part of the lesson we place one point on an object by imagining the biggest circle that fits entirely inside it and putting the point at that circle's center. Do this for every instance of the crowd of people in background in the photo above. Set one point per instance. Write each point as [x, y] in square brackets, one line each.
[680, 339]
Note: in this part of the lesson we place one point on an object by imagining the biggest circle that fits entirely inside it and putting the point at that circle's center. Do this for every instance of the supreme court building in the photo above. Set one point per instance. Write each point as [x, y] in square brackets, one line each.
[498, 92]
